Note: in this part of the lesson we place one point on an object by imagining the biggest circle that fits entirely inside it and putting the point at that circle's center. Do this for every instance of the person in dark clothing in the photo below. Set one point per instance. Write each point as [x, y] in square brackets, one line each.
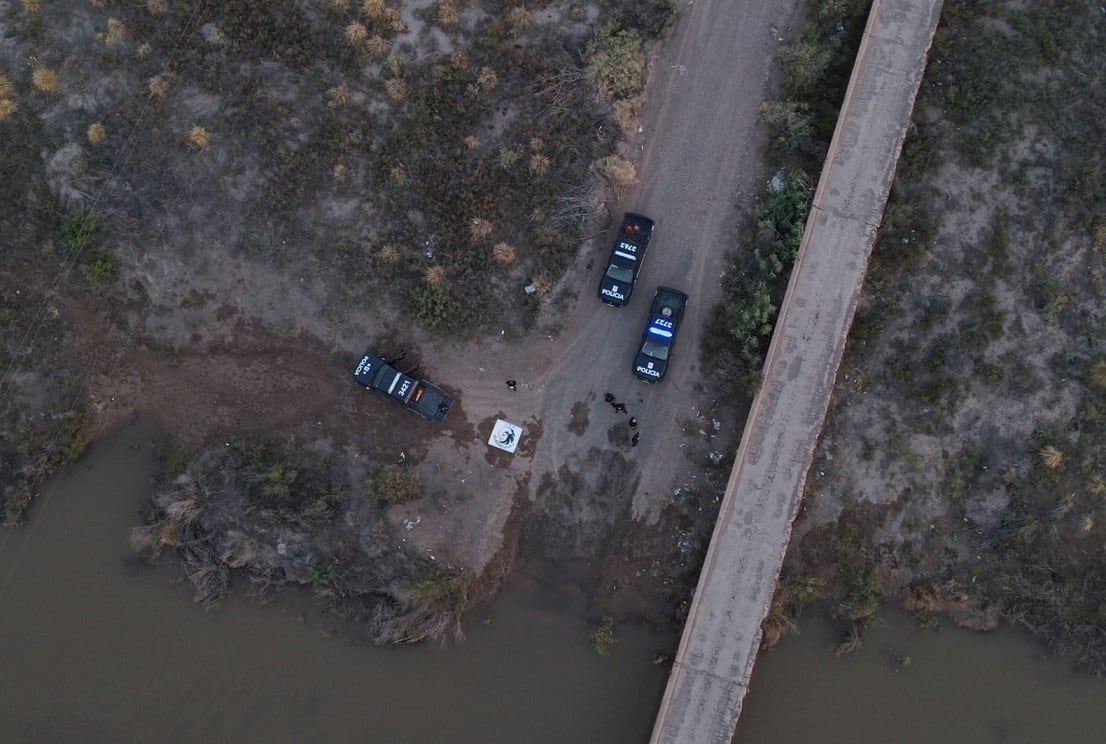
[635, 439]
[633, 422]
[513, 384]
[609, 397]
[619, 407]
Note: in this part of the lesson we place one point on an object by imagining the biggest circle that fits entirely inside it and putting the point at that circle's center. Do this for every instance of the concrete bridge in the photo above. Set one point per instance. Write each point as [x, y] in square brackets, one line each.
[720, 641]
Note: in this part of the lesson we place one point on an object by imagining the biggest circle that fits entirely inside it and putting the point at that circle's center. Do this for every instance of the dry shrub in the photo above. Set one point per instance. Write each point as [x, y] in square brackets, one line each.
[46, 80]
[459, 60]
[539, 164]
[339, 6]
[1098, 374]
[519, 19]
[505, 254]
[117, 32]
[97, 133]
[542, 286]
[7, 88]
[32, 6]
[157, 7]
[394, 22]
[435, 276]
[1100, 238]
[396, 89]
[374, 9]
[480, 229]
[389, 254]
[486, 80]
[627, 114]
[1052, 458]
[8, 107]
[399, 175]
[619, 173]
[99, 3]
[377, 46]
[447, 14]
[472, 142]
[144, 49]
[536, 144]
[356, 34]
[339, 96]
[199, 137]
[159, 86]
[340, 172]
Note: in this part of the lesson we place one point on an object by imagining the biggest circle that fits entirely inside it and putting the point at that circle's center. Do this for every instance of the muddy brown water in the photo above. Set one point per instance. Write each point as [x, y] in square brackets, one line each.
[959, 686]
[97, 647]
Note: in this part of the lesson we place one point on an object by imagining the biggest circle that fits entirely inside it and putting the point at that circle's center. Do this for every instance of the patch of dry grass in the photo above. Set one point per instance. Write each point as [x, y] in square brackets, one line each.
[159, 86]
[1097, 376]
[1052, 458]
[539, 164]
[340, 172]
[8, 107]
[117, 32]
[374, 9]
[357, 34]
[472, 142]
[619, 173]
[97, 133]
[393, 21]
[32, 7]
[480, 229]
[396, 88]
[377, 46]
[7, 88]
[339, 96]
[505, 254]
[435, 276]
[199, 137]
[447, 14]
[486, 80]
[46, 80]
[627, 114]
[157, 7]
[389, 254]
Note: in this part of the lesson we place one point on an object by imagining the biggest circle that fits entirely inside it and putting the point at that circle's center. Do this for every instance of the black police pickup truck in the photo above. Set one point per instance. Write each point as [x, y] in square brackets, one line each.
[659, 336]
[626, 256]
[424, 398]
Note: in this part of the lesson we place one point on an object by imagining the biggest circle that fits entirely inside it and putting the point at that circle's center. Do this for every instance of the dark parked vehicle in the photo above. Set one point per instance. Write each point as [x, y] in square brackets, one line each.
[659, 336]
[420, 396]
[626, 256]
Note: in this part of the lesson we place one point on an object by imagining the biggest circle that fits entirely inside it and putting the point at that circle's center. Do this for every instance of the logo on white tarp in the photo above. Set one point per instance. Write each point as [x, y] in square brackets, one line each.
[505, 435]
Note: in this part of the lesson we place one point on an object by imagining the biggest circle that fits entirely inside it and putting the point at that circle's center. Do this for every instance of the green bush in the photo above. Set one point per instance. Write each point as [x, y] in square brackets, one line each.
[78, 230]
[104, 267]
[433, 306]
[616, 62]
[395, 485]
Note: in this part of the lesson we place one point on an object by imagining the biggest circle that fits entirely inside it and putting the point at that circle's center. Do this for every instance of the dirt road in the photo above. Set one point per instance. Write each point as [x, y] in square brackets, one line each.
[698, 159]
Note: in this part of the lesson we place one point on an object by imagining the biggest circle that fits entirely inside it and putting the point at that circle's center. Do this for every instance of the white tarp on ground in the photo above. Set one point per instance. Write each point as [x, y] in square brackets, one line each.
[505, 435]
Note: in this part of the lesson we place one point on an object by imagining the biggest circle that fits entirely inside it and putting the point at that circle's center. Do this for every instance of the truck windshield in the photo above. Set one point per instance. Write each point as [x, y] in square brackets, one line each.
[620, 274]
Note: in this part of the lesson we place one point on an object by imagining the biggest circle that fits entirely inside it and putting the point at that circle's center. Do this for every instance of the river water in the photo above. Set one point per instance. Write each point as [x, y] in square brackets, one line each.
[95, 647]
[959, 686]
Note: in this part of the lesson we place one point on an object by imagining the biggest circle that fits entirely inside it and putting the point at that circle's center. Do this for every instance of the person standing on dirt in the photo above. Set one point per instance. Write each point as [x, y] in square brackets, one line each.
[512, 384]
[633, 422]
[635, 439]
[609, 397]
[619, 407]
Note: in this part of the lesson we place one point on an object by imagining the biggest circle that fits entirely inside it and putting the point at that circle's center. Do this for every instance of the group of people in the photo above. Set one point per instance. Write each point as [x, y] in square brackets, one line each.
[618, 408]
[621, 408]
